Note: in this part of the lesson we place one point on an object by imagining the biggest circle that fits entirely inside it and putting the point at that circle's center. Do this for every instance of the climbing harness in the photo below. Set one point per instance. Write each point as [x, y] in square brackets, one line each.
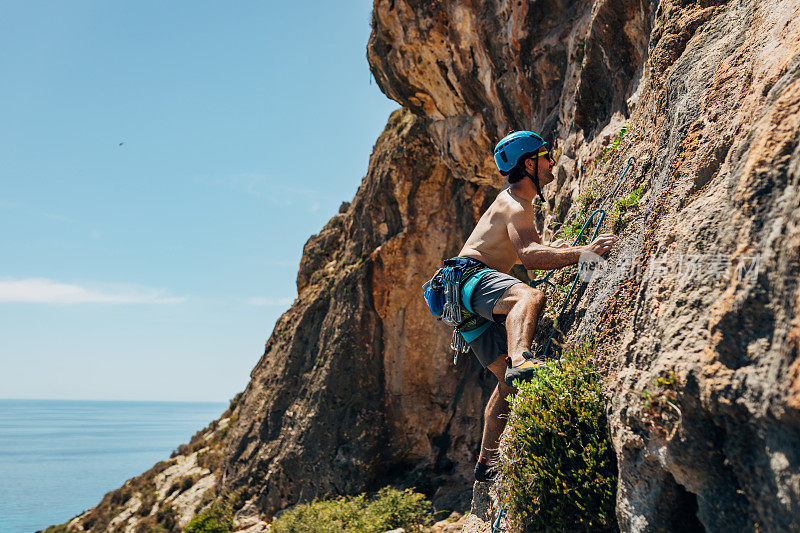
[601, 214]
[448, 295]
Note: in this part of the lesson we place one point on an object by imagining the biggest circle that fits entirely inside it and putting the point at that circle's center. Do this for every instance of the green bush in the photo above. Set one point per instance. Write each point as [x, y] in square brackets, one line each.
[388, 509]
[392, 509]
[328, 516]
[216, 519]
[558, 469]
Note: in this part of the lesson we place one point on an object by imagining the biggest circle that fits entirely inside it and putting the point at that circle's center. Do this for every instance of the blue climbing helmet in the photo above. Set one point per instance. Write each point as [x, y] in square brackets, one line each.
[512, 147]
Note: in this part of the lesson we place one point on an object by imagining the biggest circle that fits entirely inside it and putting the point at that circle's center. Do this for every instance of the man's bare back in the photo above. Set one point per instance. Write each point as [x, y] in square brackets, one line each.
[489, 242]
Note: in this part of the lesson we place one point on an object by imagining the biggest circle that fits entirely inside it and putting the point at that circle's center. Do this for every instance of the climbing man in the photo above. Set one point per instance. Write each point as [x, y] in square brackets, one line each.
[499, 311]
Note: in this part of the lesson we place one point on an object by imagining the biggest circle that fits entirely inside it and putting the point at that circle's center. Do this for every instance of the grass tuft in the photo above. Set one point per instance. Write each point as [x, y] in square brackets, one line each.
[660, 411]
[218, 518]
[608, 151]
[616, 220]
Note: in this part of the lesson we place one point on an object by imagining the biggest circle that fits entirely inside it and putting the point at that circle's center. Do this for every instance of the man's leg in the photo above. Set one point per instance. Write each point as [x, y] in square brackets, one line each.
[495, 415]
[522, 305]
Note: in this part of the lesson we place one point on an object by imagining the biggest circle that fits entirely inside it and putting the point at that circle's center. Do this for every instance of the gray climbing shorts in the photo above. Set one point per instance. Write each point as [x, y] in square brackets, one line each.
[492, 343]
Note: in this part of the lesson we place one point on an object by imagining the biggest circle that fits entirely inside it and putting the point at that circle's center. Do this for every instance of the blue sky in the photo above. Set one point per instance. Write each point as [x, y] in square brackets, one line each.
[155, 269]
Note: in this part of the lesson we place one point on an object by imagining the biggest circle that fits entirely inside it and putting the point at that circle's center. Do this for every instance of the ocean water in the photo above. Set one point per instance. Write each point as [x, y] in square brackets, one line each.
[59, 457]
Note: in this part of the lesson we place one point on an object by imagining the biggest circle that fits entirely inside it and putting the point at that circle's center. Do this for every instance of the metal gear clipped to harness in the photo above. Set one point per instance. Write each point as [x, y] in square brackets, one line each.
[452, 314]
[452, 305]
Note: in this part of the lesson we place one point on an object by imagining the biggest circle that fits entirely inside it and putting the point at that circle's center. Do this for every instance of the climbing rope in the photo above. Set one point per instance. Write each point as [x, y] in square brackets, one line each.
[496, 524]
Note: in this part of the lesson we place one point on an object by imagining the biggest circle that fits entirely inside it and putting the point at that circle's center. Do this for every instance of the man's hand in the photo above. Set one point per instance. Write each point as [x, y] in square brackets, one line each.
[602, 243]
[559, 243]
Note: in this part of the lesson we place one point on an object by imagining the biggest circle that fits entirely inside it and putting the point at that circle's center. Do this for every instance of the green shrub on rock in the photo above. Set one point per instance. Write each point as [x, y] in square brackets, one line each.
[328, 516]
[558, 469]
[388, 509]
[216, 519]
[392, 509]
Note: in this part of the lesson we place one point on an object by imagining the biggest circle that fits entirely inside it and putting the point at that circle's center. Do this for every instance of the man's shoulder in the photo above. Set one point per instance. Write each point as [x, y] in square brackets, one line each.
[507, 204]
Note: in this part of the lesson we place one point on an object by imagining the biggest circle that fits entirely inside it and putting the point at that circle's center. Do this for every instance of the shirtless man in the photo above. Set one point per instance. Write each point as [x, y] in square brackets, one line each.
[506, 236]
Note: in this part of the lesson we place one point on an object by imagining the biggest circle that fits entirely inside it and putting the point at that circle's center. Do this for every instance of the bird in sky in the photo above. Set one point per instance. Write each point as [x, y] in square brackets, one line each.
[120, 144]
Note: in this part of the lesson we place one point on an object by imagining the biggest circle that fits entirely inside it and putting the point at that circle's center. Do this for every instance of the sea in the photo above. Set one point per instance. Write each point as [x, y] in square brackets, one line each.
[59, 457]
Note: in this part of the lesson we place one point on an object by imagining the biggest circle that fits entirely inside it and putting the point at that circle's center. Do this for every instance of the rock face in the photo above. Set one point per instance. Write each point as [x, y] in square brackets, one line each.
[711, 94]
[484, 510]
[696, 319]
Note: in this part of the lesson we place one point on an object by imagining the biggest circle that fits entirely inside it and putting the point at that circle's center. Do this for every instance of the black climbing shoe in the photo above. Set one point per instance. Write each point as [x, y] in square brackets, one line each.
[483, 473]
[523, 372]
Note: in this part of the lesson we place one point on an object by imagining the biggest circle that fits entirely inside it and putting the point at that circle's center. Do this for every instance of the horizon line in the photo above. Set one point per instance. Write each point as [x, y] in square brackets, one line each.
[111, 400]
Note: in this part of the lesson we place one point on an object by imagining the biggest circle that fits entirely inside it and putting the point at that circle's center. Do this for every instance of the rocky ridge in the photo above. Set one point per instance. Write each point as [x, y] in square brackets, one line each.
[355, 388]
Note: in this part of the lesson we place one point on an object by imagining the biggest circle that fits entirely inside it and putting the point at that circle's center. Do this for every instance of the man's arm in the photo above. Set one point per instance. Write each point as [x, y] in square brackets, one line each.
[535, 255]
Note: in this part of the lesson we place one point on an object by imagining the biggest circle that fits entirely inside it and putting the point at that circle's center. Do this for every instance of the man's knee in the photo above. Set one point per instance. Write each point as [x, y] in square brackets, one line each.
[498, 368]
[530, 297]
[519, 294]
[538, 297]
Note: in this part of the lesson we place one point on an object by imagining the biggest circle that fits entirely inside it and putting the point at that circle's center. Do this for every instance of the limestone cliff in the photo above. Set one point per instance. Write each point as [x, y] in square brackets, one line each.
[710, 92]
[356, 388]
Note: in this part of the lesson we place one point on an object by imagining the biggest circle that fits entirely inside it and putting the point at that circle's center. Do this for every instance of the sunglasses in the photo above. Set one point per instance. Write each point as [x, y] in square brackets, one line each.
[549, 156]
